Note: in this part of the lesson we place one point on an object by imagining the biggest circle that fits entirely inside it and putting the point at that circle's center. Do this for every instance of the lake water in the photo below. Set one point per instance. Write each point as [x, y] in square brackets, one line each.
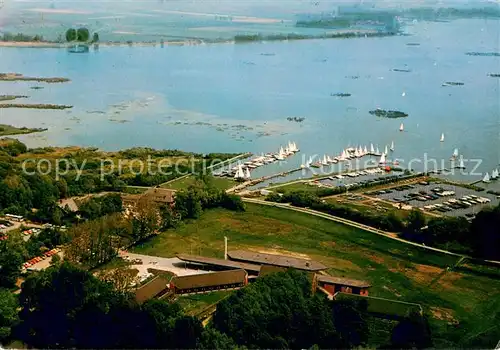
[235, 98]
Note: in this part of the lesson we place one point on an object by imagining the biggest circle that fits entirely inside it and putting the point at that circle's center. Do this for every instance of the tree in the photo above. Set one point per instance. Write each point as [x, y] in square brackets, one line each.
[71, 35]
[188, 203]
[416, 220]
[123, 279]
[278, 311]
[8, 314]
[350, 321]
[11, 260]
[169, 217]
[484, 233]
[82, 34]
[413, 332]
[213, 339]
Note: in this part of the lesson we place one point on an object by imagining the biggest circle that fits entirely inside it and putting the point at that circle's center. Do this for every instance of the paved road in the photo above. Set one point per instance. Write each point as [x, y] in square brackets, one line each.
[355, 224]
[16, 225]
[173, 265]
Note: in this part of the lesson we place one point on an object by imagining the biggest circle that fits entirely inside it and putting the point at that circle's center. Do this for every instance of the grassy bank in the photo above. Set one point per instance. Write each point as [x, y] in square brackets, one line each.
[196, 303]
[34, 105]
[11, 97]
[12, 130]
[20, 77]
[396, 270]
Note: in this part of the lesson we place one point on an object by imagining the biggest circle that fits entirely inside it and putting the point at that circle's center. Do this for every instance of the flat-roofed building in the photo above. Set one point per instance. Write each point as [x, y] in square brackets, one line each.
[219, 264]
[209, 281]
[344, 285]
[155, 288]
[275, 260]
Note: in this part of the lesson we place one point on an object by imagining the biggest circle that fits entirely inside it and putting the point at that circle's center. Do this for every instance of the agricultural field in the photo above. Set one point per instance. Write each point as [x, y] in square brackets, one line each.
[396, 270]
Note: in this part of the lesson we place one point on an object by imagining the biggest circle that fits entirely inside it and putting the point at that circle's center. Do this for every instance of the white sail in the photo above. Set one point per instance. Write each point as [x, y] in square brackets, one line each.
[325, 160]
[486, 178]
[282, 152]
[495, 174]
[247, 173]
[239, 173]
[462, 164]
[360, 151]
[365, 151]
[392, 146]
[442, 138]
[455, 153]
[378, 151]
[401, 127]
[386, 150]
[372, 150]
[382, 159]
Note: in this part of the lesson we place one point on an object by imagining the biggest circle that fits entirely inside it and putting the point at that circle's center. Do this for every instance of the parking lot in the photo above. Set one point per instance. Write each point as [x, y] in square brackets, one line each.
[439, 198]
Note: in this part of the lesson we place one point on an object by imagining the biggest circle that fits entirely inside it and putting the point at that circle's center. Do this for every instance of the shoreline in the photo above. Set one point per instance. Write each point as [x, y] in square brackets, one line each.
[239, 39]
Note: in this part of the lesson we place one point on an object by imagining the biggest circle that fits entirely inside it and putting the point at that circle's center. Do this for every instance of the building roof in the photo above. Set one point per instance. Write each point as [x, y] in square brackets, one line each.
[267, 269]
[210, 279]
[277, 260]
[161, 195]
[219, 262]
[151, 289]
[343, 281]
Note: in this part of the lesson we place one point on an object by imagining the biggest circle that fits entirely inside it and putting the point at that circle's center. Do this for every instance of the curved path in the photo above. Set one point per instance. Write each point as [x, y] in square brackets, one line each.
[360, 226]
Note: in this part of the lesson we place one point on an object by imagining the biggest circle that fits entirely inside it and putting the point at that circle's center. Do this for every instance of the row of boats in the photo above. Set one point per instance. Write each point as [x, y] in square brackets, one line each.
[494, 176]
[242, 171]
[351, 153]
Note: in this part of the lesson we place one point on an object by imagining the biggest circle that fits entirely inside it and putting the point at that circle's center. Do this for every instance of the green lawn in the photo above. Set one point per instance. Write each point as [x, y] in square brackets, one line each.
[195, 303]
[12, 130]
[221, 183]
[395, 270]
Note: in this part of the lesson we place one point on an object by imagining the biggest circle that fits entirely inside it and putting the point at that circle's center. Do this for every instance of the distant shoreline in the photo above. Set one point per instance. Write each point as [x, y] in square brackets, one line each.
[239, 39]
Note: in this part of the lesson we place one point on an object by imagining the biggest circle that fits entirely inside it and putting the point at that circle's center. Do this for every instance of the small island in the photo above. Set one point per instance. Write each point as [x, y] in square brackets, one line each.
[401, 70]
[12, 130]
[340, 94]
[20, 77]
[11, 97]
[413, 44]
[388, 114]
[484, 54]
[34, 106]
[452, 83]
[494, 75]
[295, 119]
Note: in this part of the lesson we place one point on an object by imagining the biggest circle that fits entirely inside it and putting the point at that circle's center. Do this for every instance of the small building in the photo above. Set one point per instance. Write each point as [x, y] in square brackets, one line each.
[157, 195]
[276, 260]
[209, 281]
[218, 264]
[345, 285]
[156, 288]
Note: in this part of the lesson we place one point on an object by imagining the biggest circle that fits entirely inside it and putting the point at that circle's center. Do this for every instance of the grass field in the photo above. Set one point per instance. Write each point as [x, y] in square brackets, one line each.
[12, 130]
[221, 183]
[195, 303]
[396, 270]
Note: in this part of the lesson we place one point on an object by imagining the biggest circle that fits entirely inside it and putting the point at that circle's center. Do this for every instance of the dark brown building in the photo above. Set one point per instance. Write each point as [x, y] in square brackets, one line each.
[344, 285]
[275, 260]
[209, 281]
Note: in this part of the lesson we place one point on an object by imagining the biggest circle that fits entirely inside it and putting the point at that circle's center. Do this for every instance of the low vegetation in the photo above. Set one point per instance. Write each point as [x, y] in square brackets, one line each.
[12, 130]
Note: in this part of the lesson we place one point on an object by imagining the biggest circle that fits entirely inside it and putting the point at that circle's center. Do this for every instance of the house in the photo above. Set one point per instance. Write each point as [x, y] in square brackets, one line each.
[345, 285]
[209, 281]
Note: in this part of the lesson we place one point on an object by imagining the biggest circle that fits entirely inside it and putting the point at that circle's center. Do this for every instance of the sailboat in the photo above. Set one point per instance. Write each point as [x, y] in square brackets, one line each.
[442, 138]
[382, 159]
[392, 146]
[372, 150]
[401, 127]
[377, 152]
[360, 151]
[239, 173]
[495, 174]
[455, 154]
[461, 164]
[281, 154]
[247, 174]
[486, 178]
[324, 161]
[365, 151]
[386, 150]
